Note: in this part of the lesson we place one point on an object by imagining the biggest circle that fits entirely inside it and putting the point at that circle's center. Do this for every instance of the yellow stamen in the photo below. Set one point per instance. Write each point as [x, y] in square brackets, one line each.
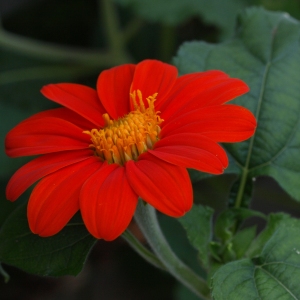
[126, 138]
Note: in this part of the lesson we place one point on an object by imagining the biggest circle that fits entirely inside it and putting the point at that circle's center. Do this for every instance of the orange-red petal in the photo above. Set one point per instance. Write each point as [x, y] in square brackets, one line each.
[113, 87]
[204, 91]
[153, 76]
[40, 136]
[40, 167]
[165, 186]
[65, 114]
[107, 202]
[55, 199]
[221, 123]
[79, 98]
[192, 150]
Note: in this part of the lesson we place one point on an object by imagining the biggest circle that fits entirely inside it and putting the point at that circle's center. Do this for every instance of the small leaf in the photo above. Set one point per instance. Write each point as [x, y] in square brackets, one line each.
[197, 223]
[230, 219]
[61, 254]
[265, 54]
[273, 275]
[242, 240]
[274, 220]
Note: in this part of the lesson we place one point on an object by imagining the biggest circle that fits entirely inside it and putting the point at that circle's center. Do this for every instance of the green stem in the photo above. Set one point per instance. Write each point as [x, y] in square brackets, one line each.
[38, 49]
[132, 28]
[146, 218]
[141, 250]
[239, 197]
[34, 73]
[116, 42]
[167, 42]
[4, 274]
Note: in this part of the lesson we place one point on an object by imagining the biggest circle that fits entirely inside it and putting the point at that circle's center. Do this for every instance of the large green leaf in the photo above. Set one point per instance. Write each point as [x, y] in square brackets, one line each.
[173, 12]
[61, 254]
[265, 54]
[273, 275]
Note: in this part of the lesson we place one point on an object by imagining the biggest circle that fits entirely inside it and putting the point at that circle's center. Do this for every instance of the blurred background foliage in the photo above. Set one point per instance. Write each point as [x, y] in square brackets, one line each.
[43, 41]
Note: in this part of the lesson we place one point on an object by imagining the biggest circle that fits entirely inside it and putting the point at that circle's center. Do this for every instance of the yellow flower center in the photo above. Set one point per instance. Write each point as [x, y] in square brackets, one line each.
[126, 138]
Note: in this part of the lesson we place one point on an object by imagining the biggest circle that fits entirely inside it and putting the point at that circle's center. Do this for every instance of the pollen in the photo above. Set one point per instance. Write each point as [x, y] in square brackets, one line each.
[128, 137]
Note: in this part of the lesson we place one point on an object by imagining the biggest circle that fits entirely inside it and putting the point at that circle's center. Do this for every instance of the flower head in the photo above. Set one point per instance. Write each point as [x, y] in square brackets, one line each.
[132, 137]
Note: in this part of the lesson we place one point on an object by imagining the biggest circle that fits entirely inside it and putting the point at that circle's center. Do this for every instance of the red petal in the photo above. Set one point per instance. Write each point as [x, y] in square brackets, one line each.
[78, 98]
[107, 202]
[212, 89]
[55, 199]
[152, 76]
[191, 150]
[222, 123]
[65, 114]
[40, 167]
[165, 186]
[113, 88]
[191, 83]
[40, 136]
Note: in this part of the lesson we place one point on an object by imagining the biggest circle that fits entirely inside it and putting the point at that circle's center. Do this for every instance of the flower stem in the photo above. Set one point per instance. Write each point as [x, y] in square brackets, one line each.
[240, 193]
[141, 250]
[4, 274]
[38, 49]
[167, 42]
[42, 72]
[115, 39]
[146, 218]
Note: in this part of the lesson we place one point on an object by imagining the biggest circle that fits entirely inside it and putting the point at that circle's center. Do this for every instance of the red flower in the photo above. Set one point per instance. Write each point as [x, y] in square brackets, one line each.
[133, 137]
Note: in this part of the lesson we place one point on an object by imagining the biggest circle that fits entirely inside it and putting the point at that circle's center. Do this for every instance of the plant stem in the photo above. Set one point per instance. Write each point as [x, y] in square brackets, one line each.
[146, 218]
[167, 42]
[38, 49]
[42, 72]
[132, 28]
[116, 42]
[4, 274]
[141, 250]
[239, 197]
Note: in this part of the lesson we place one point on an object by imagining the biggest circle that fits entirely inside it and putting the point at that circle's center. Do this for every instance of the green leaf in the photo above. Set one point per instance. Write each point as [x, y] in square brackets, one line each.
[292, 6]
[61, 254]
[274, 221]
[273, 275]
[179, 243]
[198, 225]
[230, 219]
[242, 240]
[181, 292]
[174, 12]
[265, 54]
